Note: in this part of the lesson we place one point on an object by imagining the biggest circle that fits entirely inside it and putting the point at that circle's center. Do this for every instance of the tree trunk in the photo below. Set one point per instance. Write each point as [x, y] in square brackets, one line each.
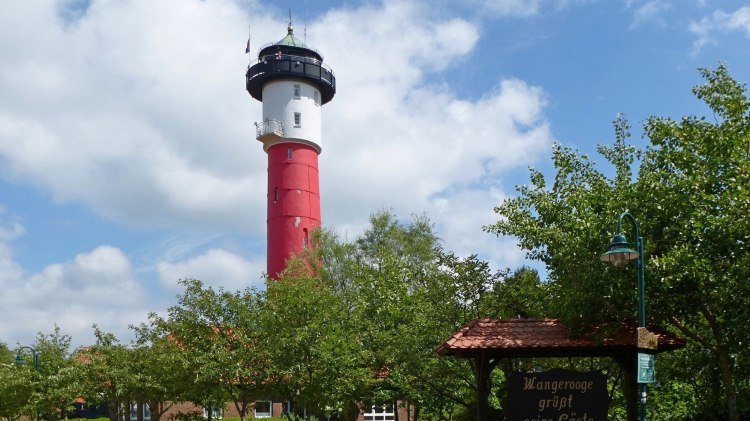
[139, 409]
[241, 405]
[727, 377]
[112, 408]
[156, 410]
[725, 362]
[629, 366]
[352, 412]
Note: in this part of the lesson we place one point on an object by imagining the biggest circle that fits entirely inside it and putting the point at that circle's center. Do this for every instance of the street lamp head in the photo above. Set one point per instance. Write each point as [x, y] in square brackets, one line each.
[619, 252]
[21, 361]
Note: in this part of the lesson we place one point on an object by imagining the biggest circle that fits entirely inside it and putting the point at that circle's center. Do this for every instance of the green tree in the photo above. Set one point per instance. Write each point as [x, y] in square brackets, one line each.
[16, 386]
[458, 291]
[222, 345]
[319, 358]
[698, 173]
[398, 295]
[6, 355]
[108, 373]
[156, 360]
[691, 199]
[395, 261]
[56, 380]
[521, 294]
[46, 389]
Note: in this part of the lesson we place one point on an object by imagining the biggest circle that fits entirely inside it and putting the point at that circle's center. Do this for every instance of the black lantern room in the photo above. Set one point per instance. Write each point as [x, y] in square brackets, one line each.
[287, 59]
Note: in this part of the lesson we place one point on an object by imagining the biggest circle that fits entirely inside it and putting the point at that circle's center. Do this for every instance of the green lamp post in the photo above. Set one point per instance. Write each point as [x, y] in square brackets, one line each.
[20, 360]
[619, 254]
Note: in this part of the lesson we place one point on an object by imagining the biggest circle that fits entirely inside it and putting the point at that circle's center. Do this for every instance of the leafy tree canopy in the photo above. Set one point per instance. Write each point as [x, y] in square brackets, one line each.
[690, 197]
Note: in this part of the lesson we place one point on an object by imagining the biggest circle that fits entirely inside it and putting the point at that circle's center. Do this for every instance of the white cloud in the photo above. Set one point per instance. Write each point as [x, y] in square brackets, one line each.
[519, 8]
[137, 110]
[650, 11]
[216, 268]
[719, 22]
[463, 214]
[10, 271]
[393, 140]
[133, 110]
[504, 8]
[95, 287]
[11, 231]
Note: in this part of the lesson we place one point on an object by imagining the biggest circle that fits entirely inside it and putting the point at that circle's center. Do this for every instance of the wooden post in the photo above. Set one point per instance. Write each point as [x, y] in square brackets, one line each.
[483, 393]
[483, 370]
[629, 365]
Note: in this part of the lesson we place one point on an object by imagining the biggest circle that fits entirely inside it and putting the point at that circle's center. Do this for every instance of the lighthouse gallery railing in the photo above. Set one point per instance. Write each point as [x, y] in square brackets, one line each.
[299, 66]
[268, 127]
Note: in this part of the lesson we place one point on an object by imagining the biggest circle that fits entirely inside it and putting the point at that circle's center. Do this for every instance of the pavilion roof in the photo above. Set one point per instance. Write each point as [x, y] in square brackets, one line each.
[518, 338]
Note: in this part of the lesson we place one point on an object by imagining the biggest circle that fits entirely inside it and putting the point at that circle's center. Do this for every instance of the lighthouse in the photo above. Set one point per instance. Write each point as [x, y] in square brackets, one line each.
[292, 83]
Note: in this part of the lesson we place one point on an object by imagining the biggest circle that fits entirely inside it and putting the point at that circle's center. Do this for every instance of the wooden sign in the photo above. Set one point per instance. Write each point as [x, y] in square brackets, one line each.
[646, 339]
[559, 395]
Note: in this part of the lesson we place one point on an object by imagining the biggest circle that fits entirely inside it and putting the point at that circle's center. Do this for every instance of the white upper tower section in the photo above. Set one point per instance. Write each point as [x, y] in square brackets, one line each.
[296, 105]
[292, 82]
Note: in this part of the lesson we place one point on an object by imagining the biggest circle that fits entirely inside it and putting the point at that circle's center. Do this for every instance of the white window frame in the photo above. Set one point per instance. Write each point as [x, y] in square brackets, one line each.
[263, 414]
[316, 97]
[297, 90]
[134, 411]
[297, 119]
[380, 413]
[217, 412]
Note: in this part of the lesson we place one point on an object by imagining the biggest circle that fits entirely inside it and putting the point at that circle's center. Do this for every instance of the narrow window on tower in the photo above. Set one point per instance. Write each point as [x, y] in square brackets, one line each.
[289, 153]
[297, 119]
[305, 240]
[296, 91]
[275, 195]
[316, 97]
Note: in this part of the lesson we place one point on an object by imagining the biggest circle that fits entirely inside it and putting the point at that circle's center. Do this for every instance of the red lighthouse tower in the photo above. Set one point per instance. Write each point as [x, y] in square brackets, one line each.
[292, 82]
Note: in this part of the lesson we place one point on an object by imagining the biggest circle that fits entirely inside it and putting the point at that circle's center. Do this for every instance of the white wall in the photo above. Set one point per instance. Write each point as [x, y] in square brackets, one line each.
[279, 103]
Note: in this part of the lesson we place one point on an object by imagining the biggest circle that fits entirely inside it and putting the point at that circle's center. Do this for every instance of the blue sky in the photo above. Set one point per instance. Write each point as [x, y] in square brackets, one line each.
[127, 150]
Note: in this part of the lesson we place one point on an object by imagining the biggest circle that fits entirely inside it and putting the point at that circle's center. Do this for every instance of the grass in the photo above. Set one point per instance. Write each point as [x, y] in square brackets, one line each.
[89, 419]
[250, 418]
[223, 419]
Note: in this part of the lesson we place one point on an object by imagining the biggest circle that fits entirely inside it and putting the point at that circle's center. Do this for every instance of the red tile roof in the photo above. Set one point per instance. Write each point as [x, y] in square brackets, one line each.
[546, 338]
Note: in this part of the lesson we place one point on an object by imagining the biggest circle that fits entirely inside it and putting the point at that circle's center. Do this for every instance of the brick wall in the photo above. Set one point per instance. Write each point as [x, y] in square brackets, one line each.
[403, 412]
[230, 410]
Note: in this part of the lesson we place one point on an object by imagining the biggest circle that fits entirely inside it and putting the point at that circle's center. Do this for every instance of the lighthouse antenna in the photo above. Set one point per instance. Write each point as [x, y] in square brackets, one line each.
[290, 17]
[304, 16]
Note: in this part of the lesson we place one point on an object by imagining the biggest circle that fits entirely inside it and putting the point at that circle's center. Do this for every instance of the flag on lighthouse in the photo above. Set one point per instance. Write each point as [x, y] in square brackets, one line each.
[247, 47]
